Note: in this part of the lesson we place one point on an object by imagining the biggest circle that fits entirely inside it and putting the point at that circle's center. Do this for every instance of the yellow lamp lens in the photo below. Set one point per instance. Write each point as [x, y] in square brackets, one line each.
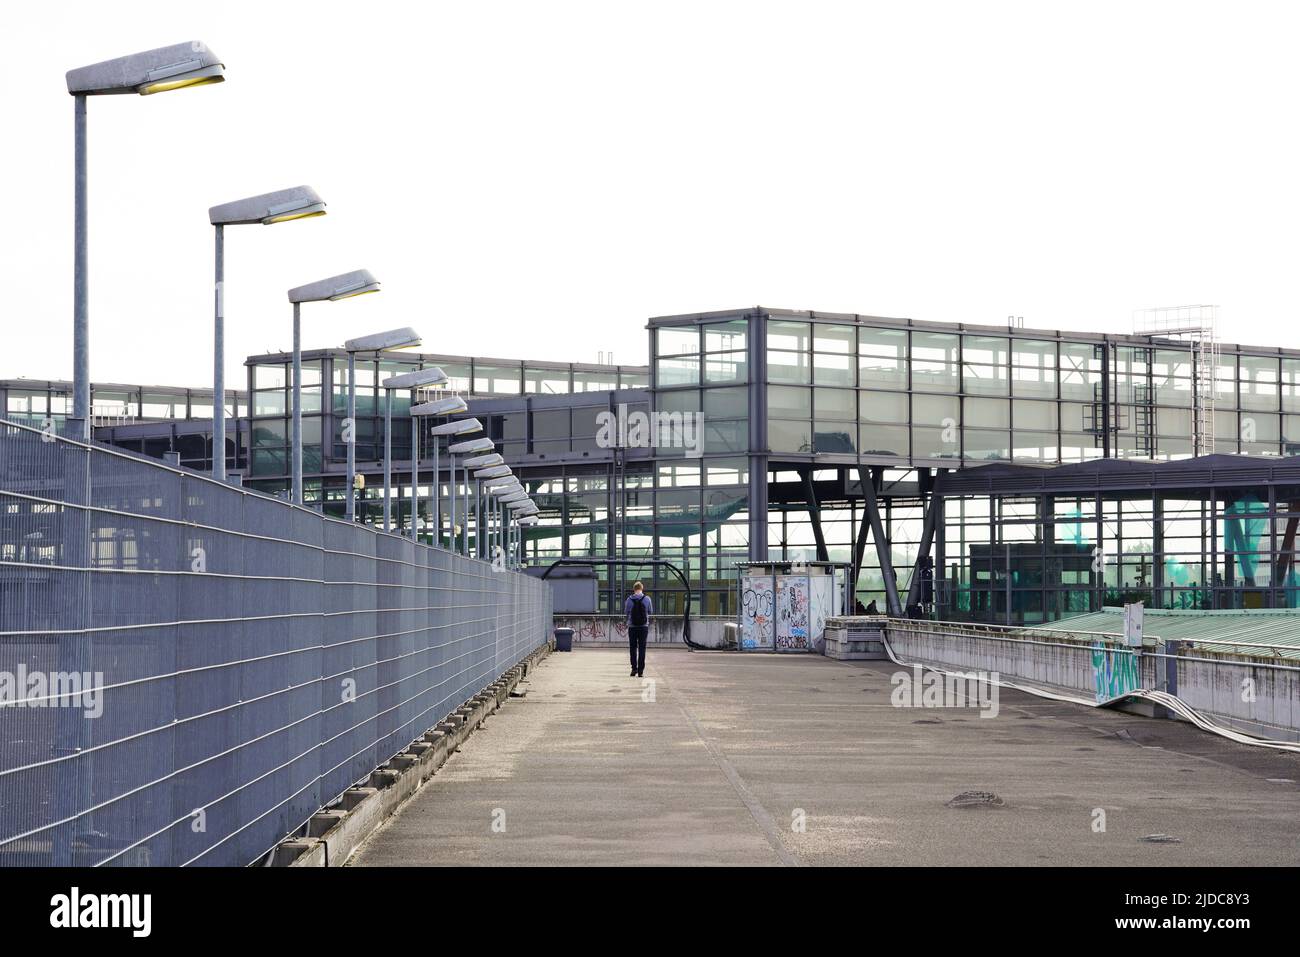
[162, 86]
[289, 216]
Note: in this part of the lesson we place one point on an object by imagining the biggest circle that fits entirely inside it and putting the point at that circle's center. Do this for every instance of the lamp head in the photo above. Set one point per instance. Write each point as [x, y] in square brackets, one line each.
[402, 338]
[414, 380]
[298, 202]
[458, 427]
[448, 406]
[344, 286]
[153, 71]
[473, 445]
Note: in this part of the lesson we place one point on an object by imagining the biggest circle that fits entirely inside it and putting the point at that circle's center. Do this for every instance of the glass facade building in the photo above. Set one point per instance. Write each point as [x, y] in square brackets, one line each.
[788, 436]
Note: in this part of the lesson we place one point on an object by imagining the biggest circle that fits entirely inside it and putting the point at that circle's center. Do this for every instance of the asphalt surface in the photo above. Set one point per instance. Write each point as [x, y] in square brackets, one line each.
[766, 760]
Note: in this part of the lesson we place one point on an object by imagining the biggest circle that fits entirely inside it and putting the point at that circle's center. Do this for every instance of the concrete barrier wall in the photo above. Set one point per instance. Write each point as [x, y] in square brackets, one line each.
[1089, 666]
[665, 630]
[1256, 696]
[1259, 696]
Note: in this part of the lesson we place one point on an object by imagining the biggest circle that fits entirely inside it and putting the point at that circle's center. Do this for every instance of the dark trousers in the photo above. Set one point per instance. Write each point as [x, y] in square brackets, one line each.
[636, 637]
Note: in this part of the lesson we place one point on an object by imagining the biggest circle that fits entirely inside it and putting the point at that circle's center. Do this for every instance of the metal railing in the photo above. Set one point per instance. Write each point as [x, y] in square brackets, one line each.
[190, 670]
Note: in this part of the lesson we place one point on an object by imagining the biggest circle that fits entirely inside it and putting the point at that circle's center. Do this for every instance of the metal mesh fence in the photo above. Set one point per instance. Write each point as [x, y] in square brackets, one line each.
[190, 670]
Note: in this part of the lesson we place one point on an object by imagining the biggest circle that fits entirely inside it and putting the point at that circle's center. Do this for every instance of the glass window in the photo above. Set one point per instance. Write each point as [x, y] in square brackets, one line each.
[633, 380]
[934, 362]
[684, 371]
[1035, 446]
[727, 471]
[988, 414]
[789, 436]
[981, 446]
[1175, 422]
[788, 335]
[936, 442]
[685, 400]
[831, 369]
[1259, 382]
[787, 402]
[1033, 353]
[677, 340]
[985, 350]
[883, 440]
[985, 380]
[726, 367]
[1291, 385]
[1169, 362]
[270, 377]
[837, 404]
[834, 337]
[270, 403]
[789, 367]
[496, 380]
[726, 403]
[882, 406]
[728, 336]
[26, 402]
[549, 381]
[834, 437]
[457, 375]
[1035, 416]
[726, 435]
[595, 381]
[883, 357]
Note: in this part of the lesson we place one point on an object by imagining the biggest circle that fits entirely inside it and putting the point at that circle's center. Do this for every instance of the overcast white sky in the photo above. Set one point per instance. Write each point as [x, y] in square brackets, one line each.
[534, 180]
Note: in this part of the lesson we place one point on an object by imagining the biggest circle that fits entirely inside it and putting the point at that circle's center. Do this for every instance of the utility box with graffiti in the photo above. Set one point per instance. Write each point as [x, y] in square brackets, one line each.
[784, 605]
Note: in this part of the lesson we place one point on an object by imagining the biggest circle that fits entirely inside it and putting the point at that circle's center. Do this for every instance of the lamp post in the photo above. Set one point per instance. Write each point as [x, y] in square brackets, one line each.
[299, 202]
[493, 488]
[403, 338]
[493, 472]
[344, 286]
[524, 521]
[452, 405]
[407, 380]
[479, 461]
[517, 510]
[153, 71]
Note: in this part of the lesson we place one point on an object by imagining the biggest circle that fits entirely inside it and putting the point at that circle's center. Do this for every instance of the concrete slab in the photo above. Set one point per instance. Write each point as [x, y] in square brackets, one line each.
[717, 758]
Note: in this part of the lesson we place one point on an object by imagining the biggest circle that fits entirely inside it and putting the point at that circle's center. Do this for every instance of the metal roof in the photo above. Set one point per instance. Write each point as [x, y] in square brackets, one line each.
[1274, 631]
[1120, 475]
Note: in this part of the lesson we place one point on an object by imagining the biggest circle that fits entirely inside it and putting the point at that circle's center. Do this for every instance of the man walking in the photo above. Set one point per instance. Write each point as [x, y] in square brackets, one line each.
[637, 610]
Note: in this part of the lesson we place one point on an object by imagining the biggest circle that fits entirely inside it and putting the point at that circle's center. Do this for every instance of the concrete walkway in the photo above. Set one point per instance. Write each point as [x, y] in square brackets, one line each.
[721, 757]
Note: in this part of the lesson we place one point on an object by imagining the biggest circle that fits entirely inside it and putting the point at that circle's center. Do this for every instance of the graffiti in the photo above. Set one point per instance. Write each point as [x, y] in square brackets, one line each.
[822, 601]
[1114, 672]
[756, 606]
[792, 613]
[590, 629]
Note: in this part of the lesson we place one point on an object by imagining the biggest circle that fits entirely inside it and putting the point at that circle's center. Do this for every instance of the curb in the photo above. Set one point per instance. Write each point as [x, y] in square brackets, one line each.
[334, 834]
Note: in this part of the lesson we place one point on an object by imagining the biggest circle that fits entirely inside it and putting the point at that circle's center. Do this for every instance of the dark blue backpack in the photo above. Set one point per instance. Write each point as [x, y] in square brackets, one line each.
[639, 616]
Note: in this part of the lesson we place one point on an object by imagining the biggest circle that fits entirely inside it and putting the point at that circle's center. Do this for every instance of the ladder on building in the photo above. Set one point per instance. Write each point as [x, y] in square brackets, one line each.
[1195, 326]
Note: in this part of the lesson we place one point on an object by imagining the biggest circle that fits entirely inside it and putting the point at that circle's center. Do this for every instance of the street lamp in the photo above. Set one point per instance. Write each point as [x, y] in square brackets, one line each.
[403, 338]
[517, 510]
[451, 405]
[494, 472]
[494, 489]
[479, 461]
[345, 286]
[154, 71]
[300, 202]
[407, 380]
[524, 521]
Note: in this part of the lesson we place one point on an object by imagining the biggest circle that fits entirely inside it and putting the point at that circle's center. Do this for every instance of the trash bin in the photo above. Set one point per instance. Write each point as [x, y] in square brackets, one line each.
[563, 639]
